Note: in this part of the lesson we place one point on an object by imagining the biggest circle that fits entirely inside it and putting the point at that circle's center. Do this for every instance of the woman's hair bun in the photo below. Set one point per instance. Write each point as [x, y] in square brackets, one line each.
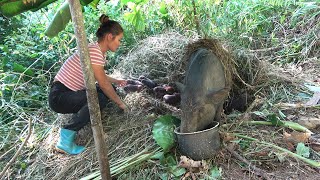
[104, 18]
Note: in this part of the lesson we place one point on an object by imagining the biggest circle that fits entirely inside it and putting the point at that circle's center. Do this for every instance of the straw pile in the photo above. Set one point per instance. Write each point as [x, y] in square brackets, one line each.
[158, 58]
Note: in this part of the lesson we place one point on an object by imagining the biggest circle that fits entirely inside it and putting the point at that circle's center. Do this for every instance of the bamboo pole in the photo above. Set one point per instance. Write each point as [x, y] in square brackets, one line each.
[95, 115]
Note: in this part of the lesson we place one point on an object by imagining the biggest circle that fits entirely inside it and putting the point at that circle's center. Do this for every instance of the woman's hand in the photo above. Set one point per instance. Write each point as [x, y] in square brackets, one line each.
[124, 107]
[121, 82]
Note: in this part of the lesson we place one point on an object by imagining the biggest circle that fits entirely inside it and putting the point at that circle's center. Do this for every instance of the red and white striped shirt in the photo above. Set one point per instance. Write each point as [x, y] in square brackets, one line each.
[70, 74]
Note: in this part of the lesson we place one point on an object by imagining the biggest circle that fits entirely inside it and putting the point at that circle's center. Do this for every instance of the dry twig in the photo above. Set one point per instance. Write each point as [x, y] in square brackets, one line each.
[18, 152]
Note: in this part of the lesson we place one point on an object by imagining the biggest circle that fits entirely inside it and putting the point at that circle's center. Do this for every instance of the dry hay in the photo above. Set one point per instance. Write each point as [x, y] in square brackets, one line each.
[158, 58]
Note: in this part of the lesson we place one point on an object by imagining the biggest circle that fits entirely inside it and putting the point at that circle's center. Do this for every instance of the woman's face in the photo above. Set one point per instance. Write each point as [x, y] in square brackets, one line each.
[114, 42]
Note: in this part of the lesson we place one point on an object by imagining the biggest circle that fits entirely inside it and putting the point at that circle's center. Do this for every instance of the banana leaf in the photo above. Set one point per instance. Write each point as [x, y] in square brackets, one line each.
[11, 8]
[61, 19]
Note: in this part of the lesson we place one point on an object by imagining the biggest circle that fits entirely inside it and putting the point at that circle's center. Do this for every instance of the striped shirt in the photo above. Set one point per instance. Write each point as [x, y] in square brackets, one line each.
[71, 75]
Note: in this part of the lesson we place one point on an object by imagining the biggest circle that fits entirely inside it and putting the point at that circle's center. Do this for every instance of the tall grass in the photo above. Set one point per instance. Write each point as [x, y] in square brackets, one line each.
[253, 24]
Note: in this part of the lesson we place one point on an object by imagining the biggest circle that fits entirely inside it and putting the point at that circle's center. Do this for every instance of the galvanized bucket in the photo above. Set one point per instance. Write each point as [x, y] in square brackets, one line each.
[200, 144]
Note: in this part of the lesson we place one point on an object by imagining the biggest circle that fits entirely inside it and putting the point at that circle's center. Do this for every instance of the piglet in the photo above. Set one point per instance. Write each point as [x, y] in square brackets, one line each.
[173, 99]
[169, 89]
[132, 88]
[159, 91]
[134, 82]
[147, 82]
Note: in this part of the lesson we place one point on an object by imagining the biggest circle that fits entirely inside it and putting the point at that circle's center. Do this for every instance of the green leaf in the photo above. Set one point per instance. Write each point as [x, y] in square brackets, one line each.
[59, 21]
[136, 18]
[163, 9]
[302, 150]
[4, 48]
[164, 176]
[258, 113]
[168, 160]
[281, 114]
[177, 171]
[215, 173]
[157, 156]
[20, 68]
[274, 119]
[23, 165]
[134, 1]
[163, 131]
[94, 3]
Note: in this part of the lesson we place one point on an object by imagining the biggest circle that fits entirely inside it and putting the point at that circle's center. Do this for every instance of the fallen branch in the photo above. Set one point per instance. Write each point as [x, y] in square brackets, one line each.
[252, 168]
[306, 160]
[18, 152]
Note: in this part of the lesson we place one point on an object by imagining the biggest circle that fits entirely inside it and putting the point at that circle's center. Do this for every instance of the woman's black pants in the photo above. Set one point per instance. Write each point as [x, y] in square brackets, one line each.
[65, 101]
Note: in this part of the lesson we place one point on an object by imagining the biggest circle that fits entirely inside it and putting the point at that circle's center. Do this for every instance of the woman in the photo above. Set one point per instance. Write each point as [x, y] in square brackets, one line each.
[68, 94]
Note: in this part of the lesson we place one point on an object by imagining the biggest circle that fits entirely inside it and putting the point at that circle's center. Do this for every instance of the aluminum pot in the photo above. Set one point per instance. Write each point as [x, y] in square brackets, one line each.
[200, 144]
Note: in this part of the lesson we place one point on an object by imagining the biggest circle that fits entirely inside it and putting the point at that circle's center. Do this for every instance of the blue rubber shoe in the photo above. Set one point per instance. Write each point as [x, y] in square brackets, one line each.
[66, 142]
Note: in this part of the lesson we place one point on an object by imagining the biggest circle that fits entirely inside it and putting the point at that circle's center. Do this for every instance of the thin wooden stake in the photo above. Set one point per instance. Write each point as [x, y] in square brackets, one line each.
[93, 104]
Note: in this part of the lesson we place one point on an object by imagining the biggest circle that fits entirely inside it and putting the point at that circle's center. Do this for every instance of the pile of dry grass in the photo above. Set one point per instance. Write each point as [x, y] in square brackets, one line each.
[158, 58]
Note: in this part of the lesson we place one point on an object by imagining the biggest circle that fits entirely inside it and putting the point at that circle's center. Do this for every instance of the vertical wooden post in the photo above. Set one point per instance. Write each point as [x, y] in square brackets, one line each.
[93, 104]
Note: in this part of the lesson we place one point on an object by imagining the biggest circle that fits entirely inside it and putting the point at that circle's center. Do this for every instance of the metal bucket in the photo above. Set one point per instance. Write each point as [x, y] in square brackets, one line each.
[200, 144]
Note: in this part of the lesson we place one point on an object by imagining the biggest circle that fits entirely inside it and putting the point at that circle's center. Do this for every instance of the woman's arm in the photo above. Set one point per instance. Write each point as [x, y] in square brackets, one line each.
[104, 82]
[119, 82]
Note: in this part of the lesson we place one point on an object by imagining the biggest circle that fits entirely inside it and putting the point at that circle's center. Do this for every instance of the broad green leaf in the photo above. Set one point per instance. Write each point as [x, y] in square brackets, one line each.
[135, 17]
[20, 68]
[302, 150]
[163, 131]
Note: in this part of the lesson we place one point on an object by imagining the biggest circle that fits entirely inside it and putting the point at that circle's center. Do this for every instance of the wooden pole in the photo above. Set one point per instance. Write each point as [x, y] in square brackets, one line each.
[93, 104]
